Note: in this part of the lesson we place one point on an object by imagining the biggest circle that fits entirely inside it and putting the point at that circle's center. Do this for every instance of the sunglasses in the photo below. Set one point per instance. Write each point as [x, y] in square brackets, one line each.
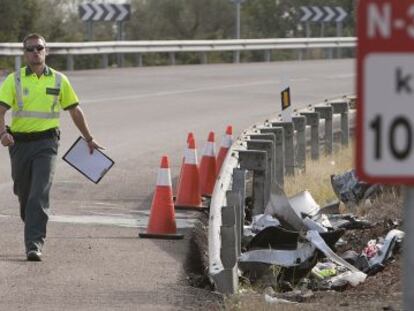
[32, 48]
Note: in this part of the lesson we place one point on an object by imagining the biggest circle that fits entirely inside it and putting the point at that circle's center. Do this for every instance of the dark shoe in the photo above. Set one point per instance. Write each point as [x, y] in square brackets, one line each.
[34, 255]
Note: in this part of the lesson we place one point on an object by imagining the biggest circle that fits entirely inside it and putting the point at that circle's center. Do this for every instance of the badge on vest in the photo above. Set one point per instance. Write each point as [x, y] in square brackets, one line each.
[25, 91]
[52, 91]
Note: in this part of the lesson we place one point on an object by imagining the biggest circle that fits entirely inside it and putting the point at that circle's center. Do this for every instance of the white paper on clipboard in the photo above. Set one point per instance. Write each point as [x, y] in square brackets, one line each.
[94, 166]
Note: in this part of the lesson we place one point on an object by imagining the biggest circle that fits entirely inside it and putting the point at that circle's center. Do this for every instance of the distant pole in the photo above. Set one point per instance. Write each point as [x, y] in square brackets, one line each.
[89, 30]
[236, 55]
[120, 37]
[238, 20]
[339, 29]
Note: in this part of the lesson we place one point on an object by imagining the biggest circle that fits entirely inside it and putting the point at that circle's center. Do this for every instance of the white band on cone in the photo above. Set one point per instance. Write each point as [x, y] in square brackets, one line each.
[227, 141]
[209, 150]
[164, 177]
[190, 156]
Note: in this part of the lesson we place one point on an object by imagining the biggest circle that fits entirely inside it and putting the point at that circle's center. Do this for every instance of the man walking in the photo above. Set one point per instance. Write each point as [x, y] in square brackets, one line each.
[36, 94]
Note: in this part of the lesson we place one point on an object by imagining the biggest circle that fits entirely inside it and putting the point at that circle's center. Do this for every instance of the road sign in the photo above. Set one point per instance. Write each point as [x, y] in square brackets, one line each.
[104, 12]
[322, 14]
[385, 86]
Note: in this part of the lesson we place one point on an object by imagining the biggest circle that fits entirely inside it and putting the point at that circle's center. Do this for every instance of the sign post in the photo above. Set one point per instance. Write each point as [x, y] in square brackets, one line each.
[385, 113]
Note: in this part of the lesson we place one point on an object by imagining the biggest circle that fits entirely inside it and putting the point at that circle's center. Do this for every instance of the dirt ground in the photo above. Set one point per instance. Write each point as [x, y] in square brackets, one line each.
[382, 291]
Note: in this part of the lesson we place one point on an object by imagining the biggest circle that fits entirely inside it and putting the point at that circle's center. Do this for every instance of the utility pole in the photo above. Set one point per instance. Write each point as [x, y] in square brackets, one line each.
[236, 56]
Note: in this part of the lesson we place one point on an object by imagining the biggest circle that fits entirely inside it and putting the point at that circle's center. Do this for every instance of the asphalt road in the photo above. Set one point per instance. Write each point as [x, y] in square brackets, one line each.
[93, 258]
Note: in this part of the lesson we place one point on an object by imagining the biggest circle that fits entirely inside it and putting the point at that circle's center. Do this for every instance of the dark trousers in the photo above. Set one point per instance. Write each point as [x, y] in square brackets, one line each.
[33, 167]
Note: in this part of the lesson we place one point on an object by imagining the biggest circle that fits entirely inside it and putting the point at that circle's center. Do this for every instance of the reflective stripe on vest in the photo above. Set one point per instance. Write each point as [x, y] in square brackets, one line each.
[35, 114]
[58, 80]
[18, 86]
[20, 113]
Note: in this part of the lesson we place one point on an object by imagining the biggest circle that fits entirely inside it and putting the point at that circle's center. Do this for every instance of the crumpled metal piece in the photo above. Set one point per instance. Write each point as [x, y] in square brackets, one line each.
[280, 206]
[284, 258]
[262, 221]
[275, 238]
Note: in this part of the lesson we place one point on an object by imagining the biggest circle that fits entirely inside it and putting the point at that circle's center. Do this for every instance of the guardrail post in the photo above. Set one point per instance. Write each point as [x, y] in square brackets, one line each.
[325, 112]
[239, 186]
[343, 108]
[312, 119]
[17, 62]
[70, 63]
[279, 133]
[268, 56]
[120, 60]
[236, 57]
[267, 146]
[270, 137]
[233, 199]
[104, 61]
[138, 59]
[299, 123]
[204, 58]
[289, 146]
[172, 58]
[256, 161]
[227, 281]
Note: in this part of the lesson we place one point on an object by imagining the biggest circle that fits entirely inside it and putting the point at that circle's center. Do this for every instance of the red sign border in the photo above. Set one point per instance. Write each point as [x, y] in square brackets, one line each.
[396, 44]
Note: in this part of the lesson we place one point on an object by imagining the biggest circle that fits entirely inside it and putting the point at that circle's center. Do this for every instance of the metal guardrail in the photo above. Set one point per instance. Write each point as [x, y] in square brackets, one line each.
[105, 48]
[222, 261]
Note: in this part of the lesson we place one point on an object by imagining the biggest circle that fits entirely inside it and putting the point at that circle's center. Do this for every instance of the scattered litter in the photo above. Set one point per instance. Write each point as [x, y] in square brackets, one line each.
[371, 249]
[349, 277]
[323, 270]
[292, 244]
[392, 239]
[315, 238]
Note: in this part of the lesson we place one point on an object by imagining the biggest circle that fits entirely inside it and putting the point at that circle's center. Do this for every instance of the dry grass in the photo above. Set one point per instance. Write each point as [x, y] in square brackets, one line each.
[317, 177]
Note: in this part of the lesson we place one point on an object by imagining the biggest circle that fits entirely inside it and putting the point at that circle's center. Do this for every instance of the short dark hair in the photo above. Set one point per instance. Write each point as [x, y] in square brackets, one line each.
[33, 36]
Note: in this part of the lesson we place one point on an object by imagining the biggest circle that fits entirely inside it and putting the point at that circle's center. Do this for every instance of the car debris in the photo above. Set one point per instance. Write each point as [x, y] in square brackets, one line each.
[350, 190]
[300, 238]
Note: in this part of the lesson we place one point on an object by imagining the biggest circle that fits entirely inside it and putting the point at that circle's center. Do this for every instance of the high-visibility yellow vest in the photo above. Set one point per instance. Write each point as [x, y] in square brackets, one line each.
[36, 101]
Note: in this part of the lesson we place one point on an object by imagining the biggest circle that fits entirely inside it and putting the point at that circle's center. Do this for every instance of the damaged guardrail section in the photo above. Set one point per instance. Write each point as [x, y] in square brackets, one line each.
[269, 151]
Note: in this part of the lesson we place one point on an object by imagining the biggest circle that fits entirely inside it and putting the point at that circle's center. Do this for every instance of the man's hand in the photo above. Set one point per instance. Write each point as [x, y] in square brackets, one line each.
[92, 144]
[7, 140]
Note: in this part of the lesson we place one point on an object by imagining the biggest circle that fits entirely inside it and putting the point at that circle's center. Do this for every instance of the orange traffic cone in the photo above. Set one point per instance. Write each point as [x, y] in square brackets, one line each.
[188, 194]
[190, 136]
[226, 143]
[208, 167]
[162, 219]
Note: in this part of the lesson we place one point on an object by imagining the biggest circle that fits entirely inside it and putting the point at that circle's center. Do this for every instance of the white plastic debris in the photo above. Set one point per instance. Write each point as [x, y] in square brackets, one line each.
[303, 203]
[262, 221]
[353, 278]
[272, 300]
